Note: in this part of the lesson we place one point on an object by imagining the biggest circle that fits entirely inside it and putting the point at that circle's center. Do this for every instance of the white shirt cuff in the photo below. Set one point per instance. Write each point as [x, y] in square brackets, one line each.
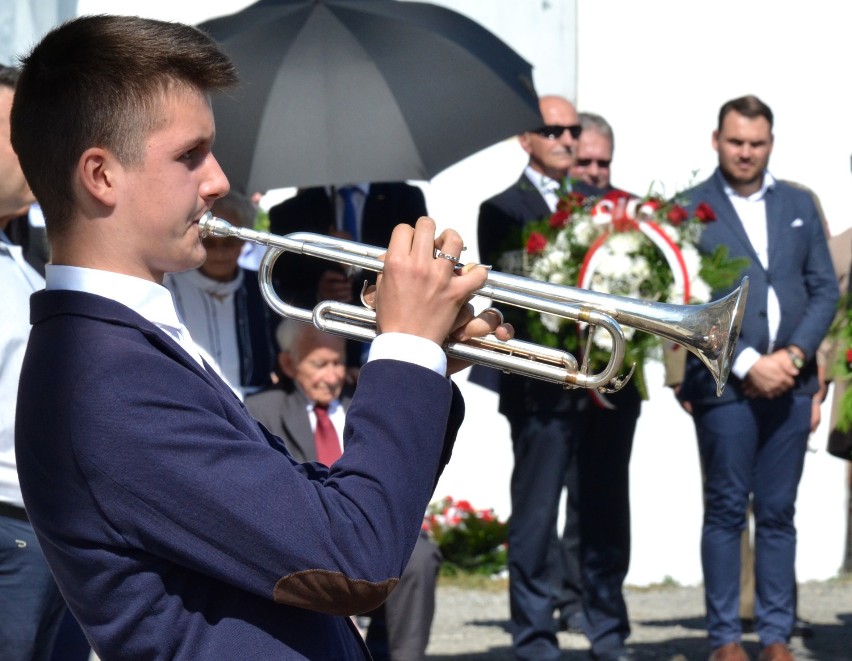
[411, 349]
[745, 361]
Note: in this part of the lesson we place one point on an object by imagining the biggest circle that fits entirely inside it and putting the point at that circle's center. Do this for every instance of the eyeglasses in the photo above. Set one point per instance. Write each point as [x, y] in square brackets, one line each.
[586, 162]
[555, 131]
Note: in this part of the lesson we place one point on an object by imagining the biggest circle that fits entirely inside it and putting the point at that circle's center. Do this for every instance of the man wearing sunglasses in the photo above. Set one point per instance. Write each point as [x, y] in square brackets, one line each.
[593, 156]
[548, 427]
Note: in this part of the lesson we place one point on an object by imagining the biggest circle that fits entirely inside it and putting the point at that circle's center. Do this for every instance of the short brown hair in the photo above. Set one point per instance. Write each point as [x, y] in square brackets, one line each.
[100, 81]
[748, 106]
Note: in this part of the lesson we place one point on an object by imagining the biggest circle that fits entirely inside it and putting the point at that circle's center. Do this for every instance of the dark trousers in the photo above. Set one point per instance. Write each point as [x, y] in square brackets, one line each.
[543, 445]
[31, 607]
[751, 447]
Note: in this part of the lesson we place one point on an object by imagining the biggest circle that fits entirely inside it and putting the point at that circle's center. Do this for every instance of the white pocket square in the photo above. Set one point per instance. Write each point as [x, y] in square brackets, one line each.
[797, 223]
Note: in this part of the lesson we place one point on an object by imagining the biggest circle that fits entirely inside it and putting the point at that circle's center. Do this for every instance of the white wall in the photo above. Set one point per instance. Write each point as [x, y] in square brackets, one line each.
[659, 70]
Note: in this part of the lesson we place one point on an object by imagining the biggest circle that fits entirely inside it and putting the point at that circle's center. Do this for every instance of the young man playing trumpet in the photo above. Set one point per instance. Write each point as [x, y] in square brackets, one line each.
[176, 526]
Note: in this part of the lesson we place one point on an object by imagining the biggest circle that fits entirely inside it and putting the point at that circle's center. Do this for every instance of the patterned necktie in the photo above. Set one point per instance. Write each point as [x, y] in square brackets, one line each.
[325, 437]
[350, 216]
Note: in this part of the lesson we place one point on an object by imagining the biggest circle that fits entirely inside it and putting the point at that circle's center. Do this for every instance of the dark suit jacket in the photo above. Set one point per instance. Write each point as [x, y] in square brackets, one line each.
[502, 219]
[177, 527]
[312, 210]
[283, 411]
[800, 272]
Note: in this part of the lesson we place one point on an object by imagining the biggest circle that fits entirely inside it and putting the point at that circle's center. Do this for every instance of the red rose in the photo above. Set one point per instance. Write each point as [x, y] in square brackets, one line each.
[536, 243]
[849, 359]
[704, 213]
[677, 214]
[558, 219]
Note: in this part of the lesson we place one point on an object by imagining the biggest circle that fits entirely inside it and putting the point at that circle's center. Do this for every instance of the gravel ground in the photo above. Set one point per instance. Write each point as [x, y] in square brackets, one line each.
[667, 623]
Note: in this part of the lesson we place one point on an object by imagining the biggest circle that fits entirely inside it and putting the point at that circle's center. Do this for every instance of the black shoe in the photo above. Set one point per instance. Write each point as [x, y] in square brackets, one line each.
[802, 629]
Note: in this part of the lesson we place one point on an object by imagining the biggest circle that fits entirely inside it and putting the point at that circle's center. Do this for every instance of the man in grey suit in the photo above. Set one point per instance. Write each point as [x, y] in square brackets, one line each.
[312, 370]
[752, 439]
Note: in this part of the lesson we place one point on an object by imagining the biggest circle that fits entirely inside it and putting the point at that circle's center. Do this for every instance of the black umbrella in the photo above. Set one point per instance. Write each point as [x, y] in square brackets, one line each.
[337, 91]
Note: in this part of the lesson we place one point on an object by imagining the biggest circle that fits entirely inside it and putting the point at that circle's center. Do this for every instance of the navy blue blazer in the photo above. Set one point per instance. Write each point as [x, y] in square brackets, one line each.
[177, 527]
[800, 271]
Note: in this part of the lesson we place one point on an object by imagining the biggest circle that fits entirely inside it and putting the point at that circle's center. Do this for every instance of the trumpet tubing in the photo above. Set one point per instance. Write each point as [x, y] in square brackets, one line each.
[708, 331]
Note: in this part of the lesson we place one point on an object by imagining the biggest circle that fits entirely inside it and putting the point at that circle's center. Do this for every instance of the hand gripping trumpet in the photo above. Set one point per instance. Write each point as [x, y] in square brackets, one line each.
[709, 331]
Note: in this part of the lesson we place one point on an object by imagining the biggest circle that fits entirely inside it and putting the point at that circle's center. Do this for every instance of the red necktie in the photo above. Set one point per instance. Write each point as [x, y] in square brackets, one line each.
[325, 437]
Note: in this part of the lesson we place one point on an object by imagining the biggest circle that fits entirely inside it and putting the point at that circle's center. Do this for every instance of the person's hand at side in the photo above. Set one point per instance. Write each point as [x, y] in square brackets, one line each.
[418, 294]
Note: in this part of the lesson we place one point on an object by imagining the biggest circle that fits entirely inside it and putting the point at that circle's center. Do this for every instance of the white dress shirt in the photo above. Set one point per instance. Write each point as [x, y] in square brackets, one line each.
[18, 280]
[751, 210]
[549, 188]
[154, 303]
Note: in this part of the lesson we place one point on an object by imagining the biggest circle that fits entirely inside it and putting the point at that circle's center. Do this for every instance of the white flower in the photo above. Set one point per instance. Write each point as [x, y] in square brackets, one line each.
[699, 291]
[625, 242]
[585, 231]
[552, 322]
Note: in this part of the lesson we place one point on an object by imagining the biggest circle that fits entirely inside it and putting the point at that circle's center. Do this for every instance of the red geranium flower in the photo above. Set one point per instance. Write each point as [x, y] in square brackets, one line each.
[704, 213]
[536, 243]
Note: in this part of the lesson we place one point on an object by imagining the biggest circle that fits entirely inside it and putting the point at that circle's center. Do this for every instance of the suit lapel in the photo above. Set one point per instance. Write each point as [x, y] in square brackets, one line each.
[295, 420]
[536, 207]
[726, 214]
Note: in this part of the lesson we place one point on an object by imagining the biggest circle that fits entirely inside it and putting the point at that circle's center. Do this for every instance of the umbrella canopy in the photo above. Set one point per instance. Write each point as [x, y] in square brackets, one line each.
[338, 91]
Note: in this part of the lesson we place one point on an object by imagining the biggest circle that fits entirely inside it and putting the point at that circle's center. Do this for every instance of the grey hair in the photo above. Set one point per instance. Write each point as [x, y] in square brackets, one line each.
[593, 122]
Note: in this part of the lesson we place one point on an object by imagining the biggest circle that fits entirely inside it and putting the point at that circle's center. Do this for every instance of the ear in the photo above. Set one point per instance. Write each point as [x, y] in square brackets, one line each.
[285, 362]
[524, 141]
[714, 140]
[96, 170]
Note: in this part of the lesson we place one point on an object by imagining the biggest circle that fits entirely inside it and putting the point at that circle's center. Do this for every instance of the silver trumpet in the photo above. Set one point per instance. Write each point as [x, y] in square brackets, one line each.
[709, 331]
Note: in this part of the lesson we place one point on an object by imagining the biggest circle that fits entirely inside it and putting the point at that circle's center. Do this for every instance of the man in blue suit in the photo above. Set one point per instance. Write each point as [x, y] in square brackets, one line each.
[752, 440]
[175, 525]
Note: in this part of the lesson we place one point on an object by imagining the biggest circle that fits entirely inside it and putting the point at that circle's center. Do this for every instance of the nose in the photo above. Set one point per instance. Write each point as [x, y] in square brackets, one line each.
[215, 183]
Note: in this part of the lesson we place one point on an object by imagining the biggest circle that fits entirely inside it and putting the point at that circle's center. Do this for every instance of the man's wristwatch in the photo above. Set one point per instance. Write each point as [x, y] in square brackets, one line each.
[795, 358]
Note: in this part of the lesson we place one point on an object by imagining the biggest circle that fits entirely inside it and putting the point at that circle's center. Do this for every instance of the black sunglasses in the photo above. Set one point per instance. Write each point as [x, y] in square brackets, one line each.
[586, 162]
[555, 131]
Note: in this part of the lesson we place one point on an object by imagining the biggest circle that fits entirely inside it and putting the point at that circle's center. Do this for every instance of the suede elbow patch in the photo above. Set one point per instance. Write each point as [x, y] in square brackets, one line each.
[331, 592]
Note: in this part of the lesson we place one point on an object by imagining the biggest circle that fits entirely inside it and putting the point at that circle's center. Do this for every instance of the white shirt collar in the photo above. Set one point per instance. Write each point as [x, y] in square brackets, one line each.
[542, 182]
[150, 300]
[768, 182]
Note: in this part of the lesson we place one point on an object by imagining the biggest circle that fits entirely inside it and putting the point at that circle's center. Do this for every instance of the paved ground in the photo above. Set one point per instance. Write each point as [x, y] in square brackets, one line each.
[667, 623]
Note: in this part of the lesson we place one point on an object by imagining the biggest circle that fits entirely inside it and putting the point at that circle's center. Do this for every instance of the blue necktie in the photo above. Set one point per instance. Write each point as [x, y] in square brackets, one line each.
[350, 216]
